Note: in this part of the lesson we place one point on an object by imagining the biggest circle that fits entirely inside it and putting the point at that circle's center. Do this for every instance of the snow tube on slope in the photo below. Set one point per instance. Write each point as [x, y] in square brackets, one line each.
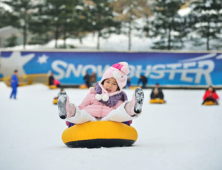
[209, 103]
[99, 134]
[157, 101]
[53, 87]
[83, 86]
[55, 100]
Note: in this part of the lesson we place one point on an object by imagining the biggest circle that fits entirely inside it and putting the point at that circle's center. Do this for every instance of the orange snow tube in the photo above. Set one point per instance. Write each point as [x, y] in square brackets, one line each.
[157, 101]
[99, 134]
[83, 86]
[53, 87]
[209, 103]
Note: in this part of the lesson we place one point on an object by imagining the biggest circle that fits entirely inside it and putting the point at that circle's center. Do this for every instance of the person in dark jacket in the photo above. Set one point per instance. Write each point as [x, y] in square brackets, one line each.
[51, 79]
[14, 84]
[128, 83]
[157, 92]
[86, 79]
[143, 80]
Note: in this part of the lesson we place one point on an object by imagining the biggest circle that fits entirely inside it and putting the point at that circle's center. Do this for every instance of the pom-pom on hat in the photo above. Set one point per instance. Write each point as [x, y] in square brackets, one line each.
[118, 71]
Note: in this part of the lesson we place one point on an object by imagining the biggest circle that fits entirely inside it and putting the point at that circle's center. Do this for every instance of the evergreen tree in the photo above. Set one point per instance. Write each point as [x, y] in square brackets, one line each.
[6, 18]
[208, 25]
[11, 41]
[129, 11]
[76, 24]
[147, 13]
[100, 18]
[52, 16]
[22, 12]
[60, 18]
[39, 26]
[168, 25]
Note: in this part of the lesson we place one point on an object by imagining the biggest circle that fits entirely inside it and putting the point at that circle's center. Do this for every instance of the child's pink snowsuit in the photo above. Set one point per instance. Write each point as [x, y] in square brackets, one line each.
[92, 108]
[95, 108]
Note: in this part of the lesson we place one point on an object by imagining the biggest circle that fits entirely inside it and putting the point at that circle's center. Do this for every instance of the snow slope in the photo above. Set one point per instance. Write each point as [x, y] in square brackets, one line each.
[179, 135]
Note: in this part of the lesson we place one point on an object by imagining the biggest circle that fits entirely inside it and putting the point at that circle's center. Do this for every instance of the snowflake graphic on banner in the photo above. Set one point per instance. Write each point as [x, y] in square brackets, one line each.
[42, 59]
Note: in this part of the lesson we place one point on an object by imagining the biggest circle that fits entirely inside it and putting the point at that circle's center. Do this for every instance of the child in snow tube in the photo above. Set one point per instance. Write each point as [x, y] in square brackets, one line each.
[157, 95]
[105, 102]
[210, 97]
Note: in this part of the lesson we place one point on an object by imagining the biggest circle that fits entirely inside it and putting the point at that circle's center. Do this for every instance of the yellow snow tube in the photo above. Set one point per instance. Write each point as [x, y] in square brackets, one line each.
[83, 86]
[209, 103]
[157, 101]
[53, 87]
[55, 100]
[99, 134]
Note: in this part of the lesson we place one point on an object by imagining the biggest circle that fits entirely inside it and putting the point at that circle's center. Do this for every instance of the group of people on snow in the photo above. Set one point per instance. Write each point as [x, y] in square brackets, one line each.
[107, 100]
[53, 81]
[210, 93]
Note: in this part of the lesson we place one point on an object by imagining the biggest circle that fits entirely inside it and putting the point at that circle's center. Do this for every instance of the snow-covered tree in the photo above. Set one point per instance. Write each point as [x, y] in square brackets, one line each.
[6, 18]
[100, 18]
[129, 11]
[53, 14]
[147, 14]
[22, 11]
[209, 23]
[62, 19]
[167, 25]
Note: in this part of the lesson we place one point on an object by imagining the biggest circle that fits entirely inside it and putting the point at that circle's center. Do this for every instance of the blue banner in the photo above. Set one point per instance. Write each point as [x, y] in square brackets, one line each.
[189, 69]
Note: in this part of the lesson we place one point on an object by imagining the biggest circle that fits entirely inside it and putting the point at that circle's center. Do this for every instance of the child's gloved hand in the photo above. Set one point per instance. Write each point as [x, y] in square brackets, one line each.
[62, 98]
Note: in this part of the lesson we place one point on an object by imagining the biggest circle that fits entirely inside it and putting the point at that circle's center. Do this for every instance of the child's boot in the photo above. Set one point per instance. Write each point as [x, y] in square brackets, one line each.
[66, 110]
[134, 107]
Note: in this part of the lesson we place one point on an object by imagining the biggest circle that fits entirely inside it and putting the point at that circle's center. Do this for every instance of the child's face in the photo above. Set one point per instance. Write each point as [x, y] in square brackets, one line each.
[110, 85]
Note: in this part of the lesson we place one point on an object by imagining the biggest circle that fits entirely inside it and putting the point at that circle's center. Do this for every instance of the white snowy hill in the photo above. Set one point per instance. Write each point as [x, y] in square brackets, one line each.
[179, 135]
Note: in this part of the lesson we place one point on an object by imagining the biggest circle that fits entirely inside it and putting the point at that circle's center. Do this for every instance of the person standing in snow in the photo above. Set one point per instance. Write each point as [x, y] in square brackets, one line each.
[106, 101]
[143, 80]
[51, 79]
[14, 84]
[86, 79]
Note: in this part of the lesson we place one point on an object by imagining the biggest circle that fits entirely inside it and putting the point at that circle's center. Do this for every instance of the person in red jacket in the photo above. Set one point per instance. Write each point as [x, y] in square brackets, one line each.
[211, 95]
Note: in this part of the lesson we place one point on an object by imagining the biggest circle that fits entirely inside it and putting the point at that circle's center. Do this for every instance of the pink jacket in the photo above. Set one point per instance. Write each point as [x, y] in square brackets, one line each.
[95, 108]
[56, 82]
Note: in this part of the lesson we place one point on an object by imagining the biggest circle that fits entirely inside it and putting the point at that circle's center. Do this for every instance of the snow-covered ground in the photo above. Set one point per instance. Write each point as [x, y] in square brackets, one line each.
[179, 135]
